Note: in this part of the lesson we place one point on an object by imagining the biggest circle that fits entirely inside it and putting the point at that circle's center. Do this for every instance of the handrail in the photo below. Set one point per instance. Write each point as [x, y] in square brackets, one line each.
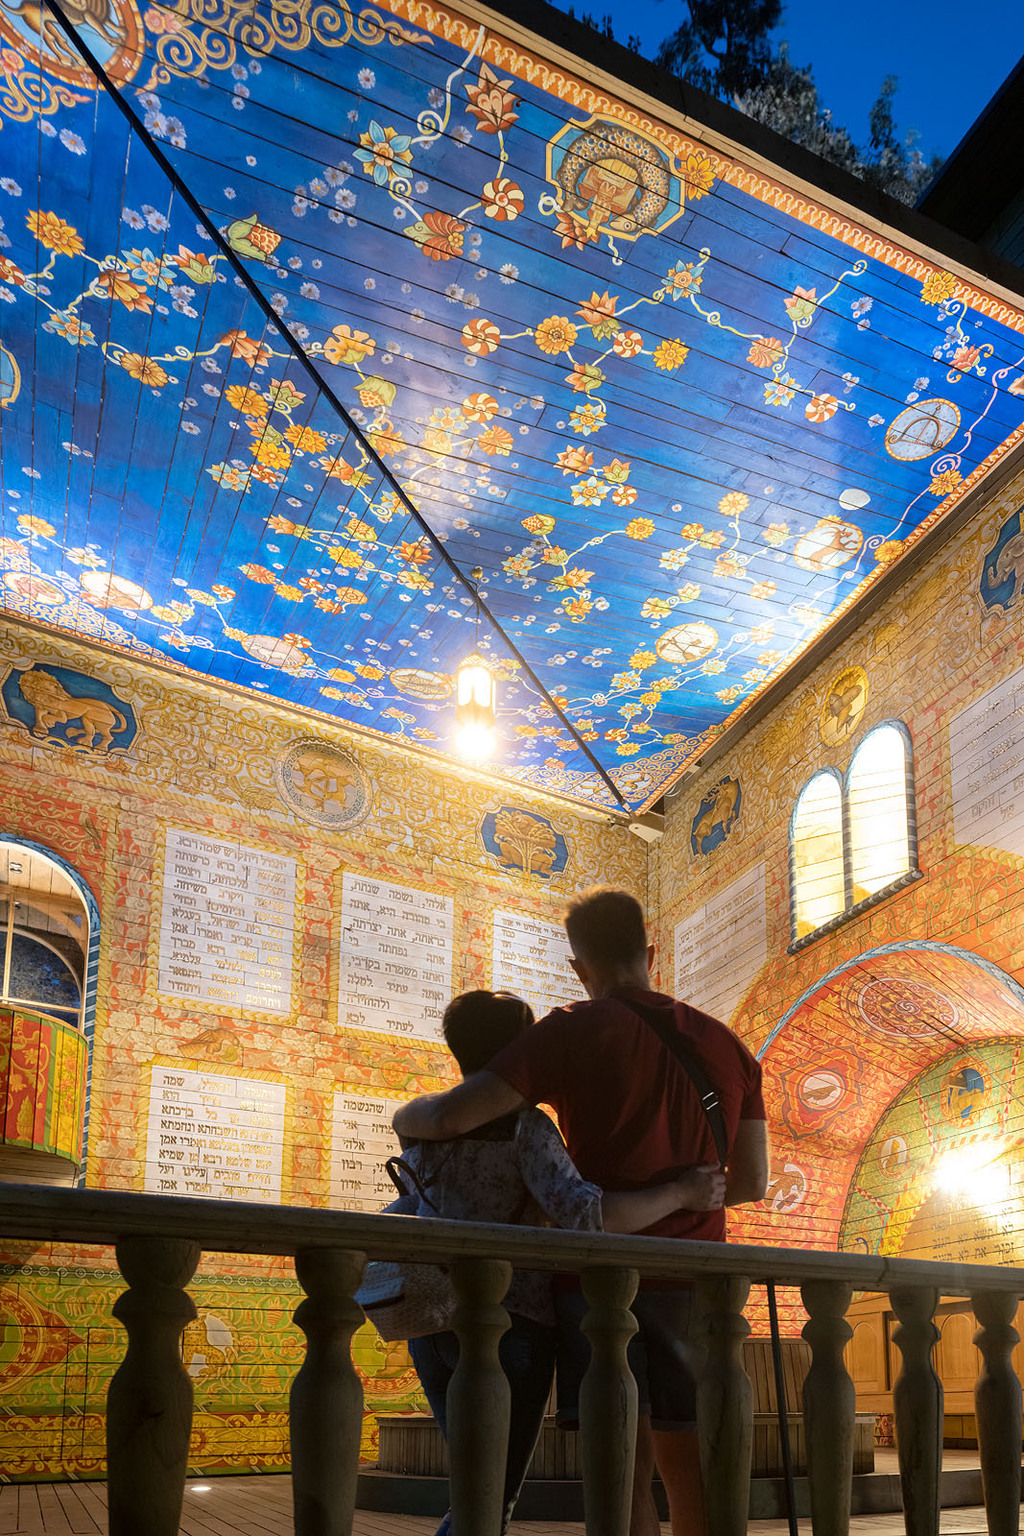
[159, 1240]
[226, 1226]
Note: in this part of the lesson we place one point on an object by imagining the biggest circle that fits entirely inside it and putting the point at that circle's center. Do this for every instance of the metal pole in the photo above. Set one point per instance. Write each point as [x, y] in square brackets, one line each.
[780, 1402]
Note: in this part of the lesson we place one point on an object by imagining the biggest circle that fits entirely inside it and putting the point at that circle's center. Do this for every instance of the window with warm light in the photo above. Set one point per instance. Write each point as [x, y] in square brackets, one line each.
[853, 840]
[44, 936]
[817, 869]
[877, 795]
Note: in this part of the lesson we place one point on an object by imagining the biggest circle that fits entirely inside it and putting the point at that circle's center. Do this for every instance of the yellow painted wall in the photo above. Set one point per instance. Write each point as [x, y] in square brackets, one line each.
[204, 760]
[931, 969]
[931, 972]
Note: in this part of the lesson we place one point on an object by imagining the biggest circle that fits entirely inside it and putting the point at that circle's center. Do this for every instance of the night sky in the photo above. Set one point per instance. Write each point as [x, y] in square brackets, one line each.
[947, 69]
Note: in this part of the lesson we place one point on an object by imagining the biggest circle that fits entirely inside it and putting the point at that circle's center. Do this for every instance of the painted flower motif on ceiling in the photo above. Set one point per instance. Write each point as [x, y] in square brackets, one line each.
[942, 484]
[384, 152]
[607, 556]
[801, 306]
[684, 277]
[555, 334]
[55, 233]
[346, 346]
[669, 355]
[502, 199]
[438, 235]
[588, 418]
[821, 408]
[598, 314]
[481, 336]
[585, 378]
[495, 441]
[765, 353]
[628, 344]
[248, 401]
[492, 102]
[120, 287]
[589, 493]
[74, 330]
[240, 344]
[480, 407]
[146, 267]
[143, 368]
[938, 288]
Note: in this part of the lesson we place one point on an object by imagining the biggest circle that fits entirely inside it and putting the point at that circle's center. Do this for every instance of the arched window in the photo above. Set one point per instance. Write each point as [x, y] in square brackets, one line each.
[44, 936]
[816, 854]
[853, 840]
[878, 797]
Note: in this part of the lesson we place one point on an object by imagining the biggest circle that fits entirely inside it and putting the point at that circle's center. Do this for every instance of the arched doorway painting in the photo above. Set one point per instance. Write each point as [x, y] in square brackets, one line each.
[49, 956]
[941, 1175]
[844, 1052]
[940, 1178]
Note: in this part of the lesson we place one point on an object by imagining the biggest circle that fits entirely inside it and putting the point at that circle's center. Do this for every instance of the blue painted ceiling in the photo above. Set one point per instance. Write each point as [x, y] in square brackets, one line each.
[677, 412]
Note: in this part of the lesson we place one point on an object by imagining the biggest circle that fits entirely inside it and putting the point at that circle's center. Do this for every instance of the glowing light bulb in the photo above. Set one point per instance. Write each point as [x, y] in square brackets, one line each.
[474, 709]
[474, 742]
[474, 683]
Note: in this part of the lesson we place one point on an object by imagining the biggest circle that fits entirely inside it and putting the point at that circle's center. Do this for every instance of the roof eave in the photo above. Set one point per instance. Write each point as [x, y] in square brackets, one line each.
[622, 72]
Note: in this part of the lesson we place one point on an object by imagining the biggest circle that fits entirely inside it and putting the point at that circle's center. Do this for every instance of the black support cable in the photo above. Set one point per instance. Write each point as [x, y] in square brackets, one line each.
[298, 352]
[781, 1410]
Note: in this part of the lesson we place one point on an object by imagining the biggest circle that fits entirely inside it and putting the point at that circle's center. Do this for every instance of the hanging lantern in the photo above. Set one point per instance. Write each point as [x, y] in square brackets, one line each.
[474, 708]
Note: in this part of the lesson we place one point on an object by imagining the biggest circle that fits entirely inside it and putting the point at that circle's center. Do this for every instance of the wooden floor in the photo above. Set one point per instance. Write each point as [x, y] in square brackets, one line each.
[261, 1506]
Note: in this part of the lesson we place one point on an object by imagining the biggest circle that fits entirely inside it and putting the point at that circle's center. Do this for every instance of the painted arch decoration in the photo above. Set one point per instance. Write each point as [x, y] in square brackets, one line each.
[938, 1166]
[837, 1064]
[679, 413]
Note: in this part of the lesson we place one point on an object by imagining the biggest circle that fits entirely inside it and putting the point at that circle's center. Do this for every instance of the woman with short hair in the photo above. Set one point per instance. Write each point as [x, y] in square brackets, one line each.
[514, 1170]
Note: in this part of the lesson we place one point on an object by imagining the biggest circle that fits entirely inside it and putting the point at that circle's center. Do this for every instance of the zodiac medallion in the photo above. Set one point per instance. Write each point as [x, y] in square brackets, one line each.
[111, 28]
[323, 785]
[612, 179]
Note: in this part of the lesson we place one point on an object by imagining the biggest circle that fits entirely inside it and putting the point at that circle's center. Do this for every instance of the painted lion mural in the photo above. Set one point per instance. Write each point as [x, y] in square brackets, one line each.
[53, 706]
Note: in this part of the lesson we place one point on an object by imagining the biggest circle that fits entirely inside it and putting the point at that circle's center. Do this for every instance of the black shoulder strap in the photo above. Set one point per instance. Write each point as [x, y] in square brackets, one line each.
[398, 1169]
[673, 1039]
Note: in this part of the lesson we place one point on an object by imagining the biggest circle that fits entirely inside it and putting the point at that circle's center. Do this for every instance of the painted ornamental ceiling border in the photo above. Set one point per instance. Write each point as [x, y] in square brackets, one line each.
[449, 305]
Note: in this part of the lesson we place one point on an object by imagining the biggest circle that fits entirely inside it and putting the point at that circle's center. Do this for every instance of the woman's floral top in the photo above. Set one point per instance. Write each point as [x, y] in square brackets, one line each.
[517, 1171]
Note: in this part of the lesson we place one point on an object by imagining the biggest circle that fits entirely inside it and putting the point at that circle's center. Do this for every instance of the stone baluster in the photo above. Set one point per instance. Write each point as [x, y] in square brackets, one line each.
[478, 1399]
[829, 1407]
[725, 1405]
[608, 1402]
[917, 1404]
[149, 1400]
[997, 1405]
[326, 1399]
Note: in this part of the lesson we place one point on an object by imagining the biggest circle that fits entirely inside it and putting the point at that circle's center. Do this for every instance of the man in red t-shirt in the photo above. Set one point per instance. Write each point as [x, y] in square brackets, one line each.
[631, 1117]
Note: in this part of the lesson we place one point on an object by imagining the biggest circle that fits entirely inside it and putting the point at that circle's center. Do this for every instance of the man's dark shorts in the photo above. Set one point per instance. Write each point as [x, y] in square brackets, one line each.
[658, 1357]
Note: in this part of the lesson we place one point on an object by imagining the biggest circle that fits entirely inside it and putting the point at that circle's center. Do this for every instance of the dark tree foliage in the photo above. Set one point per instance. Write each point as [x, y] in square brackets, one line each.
[786, 99]
[725, 47]
[603, 26]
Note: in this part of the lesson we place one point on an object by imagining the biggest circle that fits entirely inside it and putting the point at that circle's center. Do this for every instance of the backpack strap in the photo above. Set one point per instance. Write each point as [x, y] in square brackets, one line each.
[398, 1170]
[675, 1042]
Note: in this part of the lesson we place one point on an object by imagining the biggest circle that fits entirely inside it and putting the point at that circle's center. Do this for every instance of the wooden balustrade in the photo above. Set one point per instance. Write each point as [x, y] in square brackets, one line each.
[158, 1242]
[149, 1401]
[478, 1398]
[608, 1402]
[830, 1406]
[725, 1405]
[917, 1407]
[997, 1403]
[326, 1400]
